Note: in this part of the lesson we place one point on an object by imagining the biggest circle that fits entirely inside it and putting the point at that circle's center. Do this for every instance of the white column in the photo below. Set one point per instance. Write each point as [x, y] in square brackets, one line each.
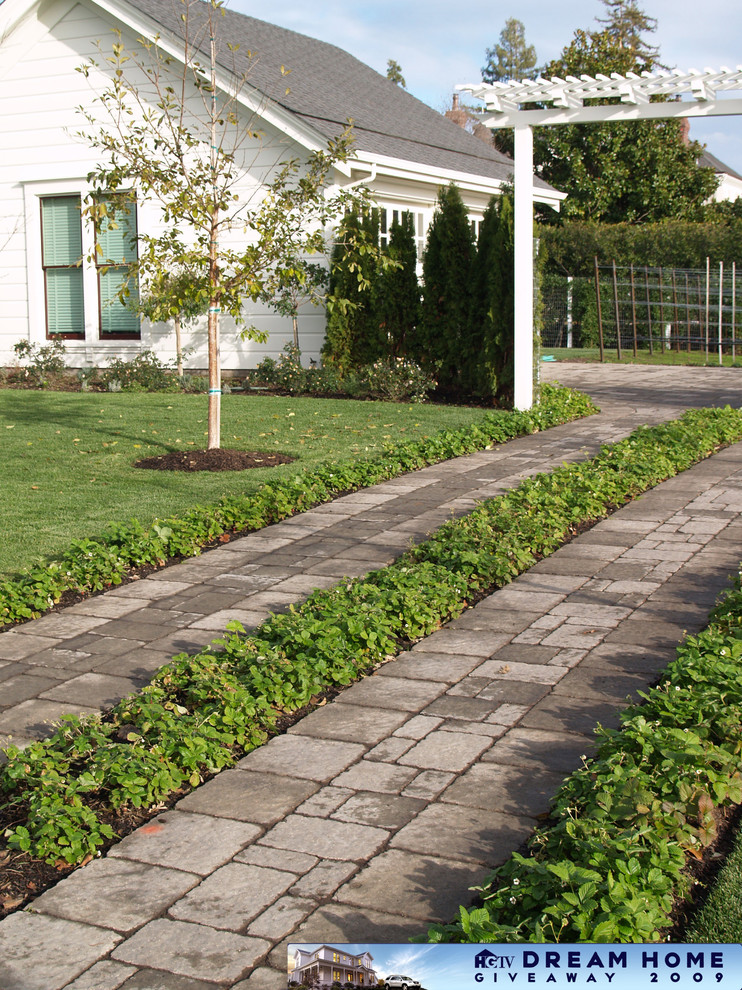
[523, 275]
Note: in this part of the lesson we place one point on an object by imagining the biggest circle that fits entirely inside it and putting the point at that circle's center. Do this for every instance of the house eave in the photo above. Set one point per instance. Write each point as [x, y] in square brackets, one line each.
[398, 168]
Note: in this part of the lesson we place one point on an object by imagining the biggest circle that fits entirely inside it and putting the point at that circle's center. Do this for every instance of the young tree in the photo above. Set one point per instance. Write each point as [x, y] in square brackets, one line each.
[512, 58]
[172, 133]
[170, 296]
[394, 73]
[634, 171]
[447, 262]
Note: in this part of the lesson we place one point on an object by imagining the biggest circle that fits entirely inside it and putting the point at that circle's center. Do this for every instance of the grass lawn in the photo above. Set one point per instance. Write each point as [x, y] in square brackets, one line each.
[720, 919]
[68, 457]
[643, 357]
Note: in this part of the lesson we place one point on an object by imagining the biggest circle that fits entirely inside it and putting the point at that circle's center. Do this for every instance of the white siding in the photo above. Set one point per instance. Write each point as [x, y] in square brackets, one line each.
[40, 90]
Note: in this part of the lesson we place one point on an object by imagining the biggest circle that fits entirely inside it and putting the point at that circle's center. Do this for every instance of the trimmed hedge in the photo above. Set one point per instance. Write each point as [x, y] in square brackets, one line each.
[201, 713]
[96, 564]
[571, 248]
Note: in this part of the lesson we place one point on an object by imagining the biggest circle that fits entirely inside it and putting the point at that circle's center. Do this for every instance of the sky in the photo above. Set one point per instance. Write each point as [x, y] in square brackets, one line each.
[439, 44]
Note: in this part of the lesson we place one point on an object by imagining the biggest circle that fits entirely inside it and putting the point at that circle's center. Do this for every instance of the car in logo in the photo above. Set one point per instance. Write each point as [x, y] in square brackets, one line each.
[397, 982]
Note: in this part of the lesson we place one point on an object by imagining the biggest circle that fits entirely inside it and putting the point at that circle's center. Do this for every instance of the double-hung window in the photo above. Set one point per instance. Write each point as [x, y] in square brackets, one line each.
[61, 259]
[72, 291]
[116, 250]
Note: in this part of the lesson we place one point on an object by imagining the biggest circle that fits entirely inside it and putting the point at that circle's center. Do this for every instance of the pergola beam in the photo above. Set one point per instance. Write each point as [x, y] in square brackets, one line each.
[614, 113]
[508, 106]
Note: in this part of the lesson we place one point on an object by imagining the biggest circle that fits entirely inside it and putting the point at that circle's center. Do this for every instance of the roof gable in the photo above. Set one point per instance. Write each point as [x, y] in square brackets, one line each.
[327, 86]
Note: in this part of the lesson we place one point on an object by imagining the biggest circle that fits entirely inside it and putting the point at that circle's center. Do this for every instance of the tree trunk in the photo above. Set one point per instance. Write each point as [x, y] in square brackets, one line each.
[215, 374]
[215, 391]
[178, 348]
[295, 325]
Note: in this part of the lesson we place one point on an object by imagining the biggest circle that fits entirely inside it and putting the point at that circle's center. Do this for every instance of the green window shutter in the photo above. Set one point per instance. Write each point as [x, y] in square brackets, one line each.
[62, 230]
[117, 232]
[64, 301]
[61, 240]
[117, 248]
[115, 317]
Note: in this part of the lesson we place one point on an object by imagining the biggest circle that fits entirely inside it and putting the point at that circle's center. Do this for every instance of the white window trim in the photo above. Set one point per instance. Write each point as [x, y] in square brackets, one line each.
[33, 193]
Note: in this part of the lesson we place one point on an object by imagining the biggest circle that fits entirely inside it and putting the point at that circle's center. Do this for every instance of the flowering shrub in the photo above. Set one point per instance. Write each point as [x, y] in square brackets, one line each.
[285, 375]
[392, 379]
[144, 373]
[395, 379]
[42, 361]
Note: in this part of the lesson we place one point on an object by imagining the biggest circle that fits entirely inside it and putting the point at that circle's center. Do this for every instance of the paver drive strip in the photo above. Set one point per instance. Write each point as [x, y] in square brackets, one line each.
[373, 815]
[90, 655]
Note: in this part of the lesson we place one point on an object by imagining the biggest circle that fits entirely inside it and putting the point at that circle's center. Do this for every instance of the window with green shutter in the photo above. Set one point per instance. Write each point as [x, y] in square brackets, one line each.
[61, 247]
[116, 250]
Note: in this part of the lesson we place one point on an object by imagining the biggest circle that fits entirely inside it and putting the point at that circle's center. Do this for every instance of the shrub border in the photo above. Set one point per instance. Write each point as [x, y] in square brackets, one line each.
[201, 713]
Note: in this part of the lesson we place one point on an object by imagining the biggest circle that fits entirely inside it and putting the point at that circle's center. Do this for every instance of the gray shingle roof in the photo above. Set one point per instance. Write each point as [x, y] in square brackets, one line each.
[328, 85]
[707, 160]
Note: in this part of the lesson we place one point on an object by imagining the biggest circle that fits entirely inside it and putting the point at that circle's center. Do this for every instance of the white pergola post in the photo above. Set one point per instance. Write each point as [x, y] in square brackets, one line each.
[629, 98]
[523, 275]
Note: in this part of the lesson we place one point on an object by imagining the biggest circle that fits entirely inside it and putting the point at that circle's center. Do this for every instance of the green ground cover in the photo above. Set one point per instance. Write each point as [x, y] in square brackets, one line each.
[202, 712]
[699, 358]
[67, 457]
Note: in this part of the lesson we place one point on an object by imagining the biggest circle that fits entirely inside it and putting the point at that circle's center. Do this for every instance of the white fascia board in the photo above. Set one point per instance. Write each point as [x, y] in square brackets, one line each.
[399, 168]
[617, 112]
[249, 97]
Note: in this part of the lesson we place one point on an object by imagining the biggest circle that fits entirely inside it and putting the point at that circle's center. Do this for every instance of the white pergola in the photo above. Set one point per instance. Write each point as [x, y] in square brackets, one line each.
[508, 106]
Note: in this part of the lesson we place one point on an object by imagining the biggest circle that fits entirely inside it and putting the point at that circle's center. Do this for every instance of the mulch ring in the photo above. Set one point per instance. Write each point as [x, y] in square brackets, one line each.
[216, 459]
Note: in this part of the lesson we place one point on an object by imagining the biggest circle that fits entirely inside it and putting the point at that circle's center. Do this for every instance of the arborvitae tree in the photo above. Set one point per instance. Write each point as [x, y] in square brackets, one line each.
[399, 291]
[488, 360]
[444, 324]
[345, 285]
[353, 336]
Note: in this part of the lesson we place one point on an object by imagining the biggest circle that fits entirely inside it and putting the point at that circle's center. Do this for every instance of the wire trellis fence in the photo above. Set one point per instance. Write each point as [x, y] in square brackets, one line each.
[632, 308]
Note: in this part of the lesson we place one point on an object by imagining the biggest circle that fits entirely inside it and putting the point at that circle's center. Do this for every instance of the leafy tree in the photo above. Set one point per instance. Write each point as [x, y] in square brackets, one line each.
[624, 25]
[399, 291]
[170, 296]
[166, 133]
[512, 58]
[394, 73]
[489, 350]
[635, 171]
[447, 265]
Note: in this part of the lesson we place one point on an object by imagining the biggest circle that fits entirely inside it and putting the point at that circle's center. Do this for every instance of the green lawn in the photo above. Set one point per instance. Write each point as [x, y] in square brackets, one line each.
[67, 457]
[643, 356]
[720, 919]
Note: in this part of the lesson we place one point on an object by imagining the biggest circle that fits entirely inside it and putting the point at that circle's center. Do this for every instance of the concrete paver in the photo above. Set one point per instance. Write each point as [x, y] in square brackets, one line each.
[376, 813]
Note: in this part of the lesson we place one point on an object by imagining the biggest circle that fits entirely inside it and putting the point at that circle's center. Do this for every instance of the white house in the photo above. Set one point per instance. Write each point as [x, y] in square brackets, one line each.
[730, 182]
[405, 152]
[329, 964]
